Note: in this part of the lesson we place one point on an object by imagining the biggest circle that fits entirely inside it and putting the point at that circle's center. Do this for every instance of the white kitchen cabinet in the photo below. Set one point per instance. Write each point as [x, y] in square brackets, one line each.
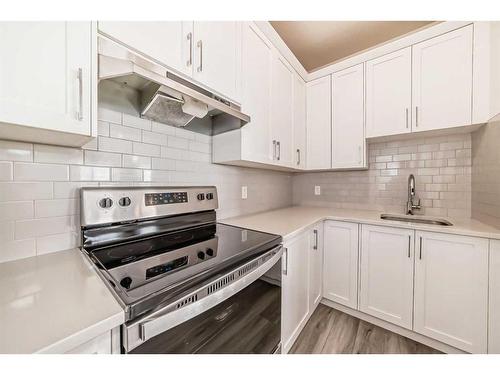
[442, 81]
[388, 94]
[256, 88]
[168, 42]
[318, 123]
[282, 111]
[45, 82]
[386, 274]
[340, 266]
[316, 265]
[299, 122]
[451, 289]
[217, 55]
[295, 288]
[348, 118]
[98, 345]
[494, 307]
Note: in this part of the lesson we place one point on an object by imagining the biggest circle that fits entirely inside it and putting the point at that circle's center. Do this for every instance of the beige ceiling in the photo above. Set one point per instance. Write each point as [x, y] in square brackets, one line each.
[319, 43]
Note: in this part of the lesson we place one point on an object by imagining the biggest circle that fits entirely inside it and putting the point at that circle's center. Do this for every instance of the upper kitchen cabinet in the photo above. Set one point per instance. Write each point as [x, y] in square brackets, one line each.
[168, 42]
[318, 123]
[299, 122]
[442, 81]
[388, 94]
[282, 111]
[217, 56]
[348, 118]
[46, 81]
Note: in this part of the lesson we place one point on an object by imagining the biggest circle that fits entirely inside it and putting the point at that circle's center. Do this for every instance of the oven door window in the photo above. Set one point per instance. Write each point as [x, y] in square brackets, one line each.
[248, 322]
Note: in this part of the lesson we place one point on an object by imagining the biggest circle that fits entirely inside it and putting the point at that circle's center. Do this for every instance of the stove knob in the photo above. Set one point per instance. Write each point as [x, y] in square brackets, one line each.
[210, 252]
[200, 196]
[210, 196]
[126, 282]
[105, 202]
[124, 202]
[201, 255]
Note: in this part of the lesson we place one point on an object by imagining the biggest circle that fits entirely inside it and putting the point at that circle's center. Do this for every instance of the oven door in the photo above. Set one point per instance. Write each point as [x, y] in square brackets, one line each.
[239, 312]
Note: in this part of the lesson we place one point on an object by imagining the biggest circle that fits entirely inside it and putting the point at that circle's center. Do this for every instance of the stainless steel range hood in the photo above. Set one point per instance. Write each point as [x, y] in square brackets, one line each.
[165, 97]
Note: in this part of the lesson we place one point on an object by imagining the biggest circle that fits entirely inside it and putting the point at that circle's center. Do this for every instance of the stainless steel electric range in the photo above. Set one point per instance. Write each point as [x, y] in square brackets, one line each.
[187, 283]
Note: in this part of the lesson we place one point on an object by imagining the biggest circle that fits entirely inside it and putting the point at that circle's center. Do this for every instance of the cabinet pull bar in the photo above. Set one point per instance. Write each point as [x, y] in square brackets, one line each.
[285, 263]
[79, 113]
[279, 150]
[406, 118]
[420, 256]
[298, 156]
[409, 246]
[190, 40]
[416, 116]
[315, 247]
[200, 46]
[274, 149]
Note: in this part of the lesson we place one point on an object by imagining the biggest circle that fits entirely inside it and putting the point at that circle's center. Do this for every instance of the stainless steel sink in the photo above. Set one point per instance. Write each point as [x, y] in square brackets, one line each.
[416, 219]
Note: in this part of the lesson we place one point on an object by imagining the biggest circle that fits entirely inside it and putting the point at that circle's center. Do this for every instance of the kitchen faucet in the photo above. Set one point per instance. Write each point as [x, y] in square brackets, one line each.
[410, 205]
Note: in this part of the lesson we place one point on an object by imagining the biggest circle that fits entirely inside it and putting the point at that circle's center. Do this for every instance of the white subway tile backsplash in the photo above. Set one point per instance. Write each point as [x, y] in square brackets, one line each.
[56, 207]
[124, 132]
[69, 189]
[40, 172]
[59, 155]
[6, 232]
[16, 151]
[146, 149]
[199, 147]
[57, 242]
[162, 128]
[79, 173]
[6, 171]
[20, 191]
[46, 226]
[164, 164]
[136, 122]
[157, 176]
[126, 174]
[115, 145]
[136, 161]
[103, 128]
[154, 138]
[103, 159]
[176, 142]
[108, 115]
[13, 250]
[16, 210]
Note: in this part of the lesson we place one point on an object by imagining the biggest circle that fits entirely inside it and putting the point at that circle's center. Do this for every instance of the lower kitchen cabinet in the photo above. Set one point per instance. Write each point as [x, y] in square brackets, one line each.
[315, 266]
[494, 312]
[295, 294]
[386, 274]
[451, 289]
[340, 267]
[101, 344]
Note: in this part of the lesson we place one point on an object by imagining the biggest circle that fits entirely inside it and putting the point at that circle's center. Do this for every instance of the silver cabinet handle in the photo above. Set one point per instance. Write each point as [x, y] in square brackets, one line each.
[285, 264]
[79, 112]
[279, 150]
[406, 118]
[200, 46]
[298, 156]
[420, 256]
[359, 155]
[315, 247]
[416, 116]
[409, 246]
[190, 40]
[274, 149]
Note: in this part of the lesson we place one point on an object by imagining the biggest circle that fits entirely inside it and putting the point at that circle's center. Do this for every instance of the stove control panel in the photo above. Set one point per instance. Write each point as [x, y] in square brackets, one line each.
[154, 199]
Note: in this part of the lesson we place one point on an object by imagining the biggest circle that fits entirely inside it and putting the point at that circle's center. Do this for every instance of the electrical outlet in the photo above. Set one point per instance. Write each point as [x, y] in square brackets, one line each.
[317, 190]
[244, 192]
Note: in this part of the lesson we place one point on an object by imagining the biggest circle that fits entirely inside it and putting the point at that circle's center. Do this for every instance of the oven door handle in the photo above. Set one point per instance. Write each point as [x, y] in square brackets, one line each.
[199, 301]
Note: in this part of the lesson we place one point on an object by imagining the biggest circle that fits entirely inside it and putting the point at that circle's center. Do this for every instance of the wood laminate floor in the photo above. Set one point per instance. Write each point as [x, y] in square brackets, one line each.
[330, 331]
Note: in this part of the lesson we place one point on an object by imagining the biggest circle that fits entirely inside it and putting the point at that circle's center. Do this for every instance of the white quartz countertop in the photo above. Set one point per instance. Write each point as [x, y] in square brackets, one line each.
[53, 303]
[291, 220]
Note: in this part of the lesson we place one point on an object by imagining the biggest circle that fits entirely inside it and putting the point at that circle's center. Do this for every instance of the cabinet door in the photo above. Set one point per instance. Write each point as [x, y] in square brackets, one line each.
[340, 269]
[295, 302]
[494, 313]
[319, 124]
[315, 266]
[299, 122]
[217, 52]
[282, 111]
[168, 42]
[256, 89]
[348, 114]
[45, 74]
[388, 94]
[442, 81]
[386, 289]
[451, 290]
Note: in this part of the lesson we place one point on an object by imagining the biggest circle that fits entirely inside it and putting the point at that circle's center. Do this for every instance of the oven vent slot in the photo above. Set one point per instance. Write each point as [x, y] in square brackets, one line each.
[220, 284]
[187, 301]
[247, 268]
